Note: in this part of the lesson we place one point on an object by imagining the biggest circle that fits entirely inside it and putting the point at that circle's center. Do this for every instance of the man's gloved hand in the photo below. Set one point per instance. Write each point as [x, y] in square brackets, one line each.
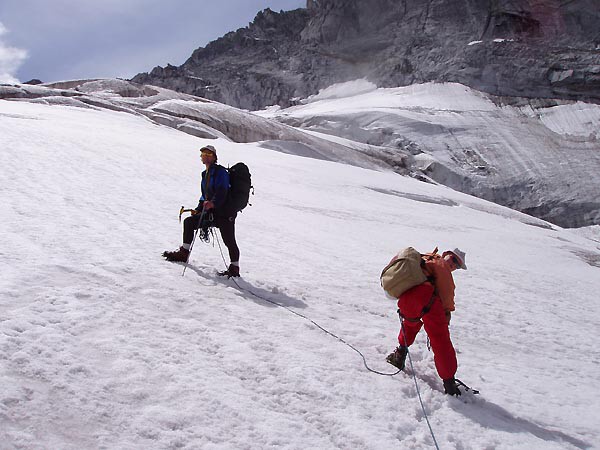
[208, 205]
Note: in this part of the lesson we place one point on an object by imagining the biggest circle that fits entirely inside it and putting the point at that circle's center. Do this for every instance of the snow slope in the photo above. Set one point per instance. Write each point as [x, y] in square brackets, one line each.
[201, 118]
[103, 344]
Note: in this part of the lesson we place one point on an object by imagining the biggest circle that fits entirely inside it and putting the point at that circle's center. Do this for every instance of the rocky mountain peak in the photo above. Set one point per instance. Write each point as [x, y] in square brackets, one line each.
[524, 48]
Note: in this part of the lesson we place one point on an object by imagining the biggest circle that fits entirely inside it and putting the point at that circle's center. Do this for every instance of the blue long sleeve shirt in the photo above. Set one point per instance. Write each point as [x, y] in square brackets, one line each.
[215, 185]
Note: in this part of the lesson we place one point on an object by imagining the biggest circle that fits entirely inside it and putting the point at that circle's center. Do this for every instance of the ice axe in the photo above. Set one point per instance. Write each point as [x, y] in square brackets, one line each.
[183, 210]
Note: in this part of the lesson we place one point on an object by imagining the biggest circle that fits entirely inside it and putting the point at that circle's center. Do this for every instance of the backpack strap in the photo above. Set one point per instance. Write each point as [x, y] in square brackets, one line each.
[429, 257]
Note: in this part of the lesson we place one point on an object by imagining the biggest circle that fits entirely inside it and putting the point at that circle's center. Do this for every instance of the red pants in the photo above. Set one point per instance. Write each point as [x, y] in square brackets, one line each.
[411, 305]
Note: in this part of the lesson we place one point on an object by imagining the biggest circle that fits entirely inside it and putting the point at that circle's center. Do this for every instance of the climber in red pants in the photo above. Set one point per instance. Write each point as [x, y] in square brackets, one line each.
[430, 304]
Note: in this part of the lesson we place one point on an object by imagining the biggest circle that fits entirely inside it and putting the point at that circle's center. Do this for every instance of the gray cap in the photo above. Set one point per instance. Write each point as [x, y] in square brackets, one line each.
[209, 148]
[460, 255]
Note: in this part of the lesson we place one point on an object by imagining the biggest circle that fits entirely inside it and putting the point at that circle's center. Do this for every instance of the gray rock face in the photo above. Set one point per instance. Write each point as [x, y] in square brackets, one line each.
[527, 48]
[249, 68]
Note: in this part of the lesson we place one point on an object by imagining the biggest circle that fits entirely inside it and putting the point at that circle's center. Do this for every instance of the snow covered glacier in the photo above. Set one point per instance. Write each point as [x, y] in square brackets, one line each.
[538, 157]
[103, 344]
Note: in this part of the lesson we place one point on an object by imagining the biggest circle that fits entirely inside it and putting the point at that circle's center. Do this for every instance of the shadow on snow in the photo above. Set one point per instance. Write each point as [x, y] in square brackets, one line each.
[264, 297]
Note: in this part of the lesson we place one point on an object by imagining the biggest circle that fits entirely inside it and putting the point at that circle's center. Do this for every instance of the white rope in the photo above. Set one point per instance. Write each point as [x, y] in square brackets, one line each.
[343, 341]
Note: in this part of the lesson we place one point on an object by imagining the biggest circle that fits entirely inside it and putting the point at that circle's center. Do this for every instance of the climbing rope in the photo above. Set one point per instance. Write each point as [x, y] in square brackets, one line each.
[412, 369]
[339, 339]
[305, 318]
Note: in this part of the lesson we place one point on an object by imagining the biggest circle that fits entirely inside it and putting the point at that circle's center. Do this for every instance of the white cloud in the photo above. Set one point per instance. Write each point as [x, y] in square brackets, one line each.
[11, 59]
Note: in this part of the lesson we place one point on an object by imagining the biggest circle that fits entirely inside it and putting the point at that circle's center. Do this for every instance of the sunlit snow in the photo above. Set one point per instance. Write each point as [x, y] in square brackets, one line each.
[103, 344]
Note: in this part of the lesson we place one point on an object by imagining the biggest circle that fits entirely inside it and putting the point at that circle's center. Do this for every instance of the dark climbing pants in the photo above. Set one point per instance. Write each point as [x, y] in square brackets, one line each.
[226, 226]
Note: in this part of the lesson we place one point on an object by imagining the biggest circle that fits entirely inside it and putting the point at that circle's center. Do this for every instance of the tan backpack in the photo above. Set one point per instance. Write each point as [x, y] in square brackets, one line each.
[403, 272]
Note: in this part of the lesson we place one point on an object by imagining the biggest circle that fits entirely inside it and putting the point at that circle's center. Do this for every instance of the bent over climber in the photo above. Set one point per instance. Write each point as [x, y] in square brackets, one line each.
[431, 303]
[211, 211]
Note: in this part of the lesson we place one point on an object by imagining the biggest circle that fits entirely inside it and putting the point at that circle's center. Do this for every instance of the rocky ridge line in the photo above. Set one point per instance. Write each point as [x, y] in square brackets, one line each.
[534, 49]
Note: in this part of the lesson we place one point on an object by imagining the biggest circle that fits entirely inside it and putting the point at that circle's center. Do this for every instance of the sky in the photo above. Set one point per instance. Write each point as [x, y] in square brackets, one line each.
[104, 344]
[73, 39]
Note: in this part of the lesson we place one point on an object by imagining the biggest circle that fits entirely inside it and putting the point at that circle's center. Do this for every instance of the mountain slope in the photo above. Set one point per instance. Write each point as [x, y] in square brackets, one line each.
[533, 49]
[201, 118]
[540, 160]
[104, 344]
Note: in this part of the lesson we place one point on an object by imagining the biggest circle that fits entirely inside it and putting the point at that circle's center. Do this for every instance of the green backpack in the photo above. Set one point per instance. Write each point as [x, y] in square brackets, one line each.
[403, 272]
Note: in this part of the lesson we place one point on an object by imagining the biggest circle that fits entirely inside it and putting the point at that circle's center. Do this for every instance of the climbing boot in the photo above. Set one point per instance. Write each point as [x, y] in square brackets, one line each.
[451, 387]
[398, 357]
[232, 271]
[180, 255]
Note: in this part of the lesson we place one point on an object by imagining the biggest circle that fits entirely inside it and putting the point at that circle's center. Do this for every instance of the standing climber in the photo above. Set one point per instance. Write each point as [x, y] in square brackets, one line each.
[212, 210]
[431, 303]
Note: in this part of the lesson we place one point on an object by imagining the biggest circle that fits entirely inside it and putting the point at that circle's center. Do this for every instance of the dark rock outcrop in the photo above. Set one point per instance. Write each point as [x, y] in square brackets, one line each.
[249, 68]
[526, 48]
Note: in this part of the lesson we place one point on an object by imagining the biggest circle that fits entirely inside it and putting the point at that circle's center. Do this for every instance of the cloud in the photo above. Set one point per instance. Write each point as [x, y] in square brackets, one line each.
[67, 39]
[11, 59]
